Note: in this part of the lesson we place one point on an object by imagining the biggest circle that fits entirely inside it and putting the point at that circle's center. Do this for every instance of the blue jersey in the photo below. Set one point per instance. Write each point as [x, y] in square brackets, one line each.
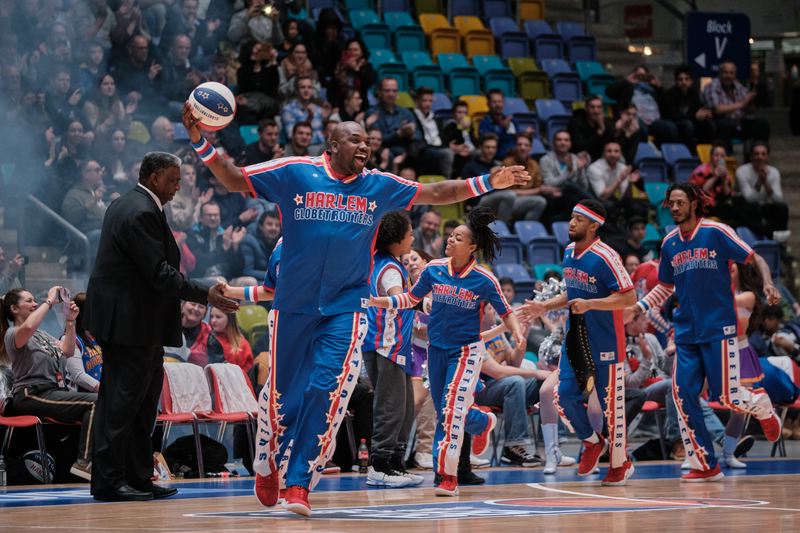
[329, 227]
[597, 272]
[390, 330]
[458, 300]
[698, 268]
[271, 277]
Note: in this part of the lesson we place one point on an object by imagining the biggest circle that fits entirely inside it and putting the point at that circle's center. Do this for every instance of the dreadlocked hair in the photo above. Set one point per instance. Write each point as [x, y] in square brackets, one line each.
[478, 220]
[12, 297]
[750, 280]
[693, 192]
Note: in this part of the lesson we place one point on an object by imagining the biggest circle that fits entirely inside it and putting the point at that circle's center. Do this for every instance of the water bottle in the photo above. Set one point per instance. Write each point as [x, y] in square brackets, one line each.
[3, 478]
[363, 457]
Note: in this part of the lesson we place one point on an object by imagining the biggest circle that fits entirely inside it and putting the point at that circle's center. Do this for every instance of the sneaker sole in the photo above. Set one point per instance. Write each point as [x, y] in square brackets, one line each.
[507, 461]
[444, 492]
[375, 483]
[597, 462]
[743, 446]
[277, 503]
[622, 482]
[716, 477]
[80, 473]
[298, 508]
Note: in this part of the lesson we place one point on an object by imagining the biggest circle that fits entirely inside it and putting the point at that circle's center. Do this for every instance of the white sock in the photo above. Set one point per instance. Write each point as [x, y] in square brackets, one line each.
[594, 439]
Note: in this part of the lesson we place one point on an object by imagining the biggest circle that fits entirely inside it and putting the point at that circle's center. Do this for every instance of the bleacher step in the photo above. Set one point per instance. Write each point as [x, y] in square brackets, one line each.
[44, 254]
[38, 286]
[45, 270]
[8, 238]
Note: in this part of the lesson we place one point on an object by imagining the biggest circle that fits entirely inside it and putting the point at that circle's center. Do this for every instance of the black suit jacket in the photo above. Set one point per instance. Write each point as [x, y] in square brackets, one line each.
[136, 286]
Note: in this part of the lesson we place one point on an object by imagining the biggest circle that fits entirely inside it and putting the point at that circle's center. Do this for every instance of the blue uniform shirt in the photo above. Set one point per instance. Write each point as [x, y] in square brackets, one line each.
[390, 330]
[271, 277]
[329, 227]
[597, 272]
[458, 300]
[698, 267]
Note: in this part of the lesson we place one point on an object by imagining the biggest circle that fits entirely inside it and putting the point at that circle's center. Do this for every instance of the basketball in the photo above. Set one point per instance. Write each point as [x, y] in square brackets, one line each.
[33, 463]
[213, 104]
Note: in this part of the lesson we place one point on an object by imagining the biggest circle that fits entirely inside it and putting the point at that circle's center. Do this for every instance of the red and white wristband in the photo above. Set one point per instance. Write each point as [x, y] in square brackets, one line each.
[205, 150]
[479, 185]
[251, 293]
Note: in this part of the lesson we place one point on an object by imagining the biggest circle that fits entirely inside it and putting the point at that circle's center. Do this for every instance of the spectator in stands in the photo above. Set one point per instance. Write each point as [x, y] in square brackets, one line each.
[435, 157]
[291, 36]
[232, 205]
[117, 157]
[179, 76]
[162, 136]
[302, 108]
[195, 331]
[138, 76]
[629, 134]
[637, 228]
[485, 160]
[104, 111]
[457, 136]
[84, 206]
[66, 155]
[353, 72]
[184, 209]
[266, 147]
[643, 90]
[758, 84]
[617, 185]
[328, 44]
[565, 171]
[253, 22]
[37, 362]
[257, 247]
[300, 141]
[93, 21]
[682, 105]
[529, 200]
[226, 342]
[760, 185]
[427, 236]
[730, 100]
[258, 80]
[631, 262]
[776, 336]
[590, 128]
[496, 121]
[294, 66]
[62, 100]
[183, 19]
[85, 367]
[188, 260]
[352, 108]
[9, 271]
[92, 69]
[397, 124]
[380, 157]
[216, 249]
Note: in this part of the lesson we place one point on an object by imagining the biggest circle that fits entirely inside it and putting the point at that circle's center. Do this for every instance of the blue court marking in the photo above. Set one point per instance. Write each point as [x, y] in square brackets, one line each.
[233, 487]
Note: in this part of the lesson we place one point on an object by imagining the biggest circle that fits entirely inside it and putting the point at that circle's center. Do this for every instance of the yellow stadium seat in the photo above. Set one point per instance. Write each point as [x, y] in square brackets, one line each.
[704, 152]
[430, 178]
[444, 39]
[530, 10]
[429, 6]
[465, 25]
[451, 212]
[476, 105]
[478, 40]
[431, 22]
[252, 321]
[404, 100]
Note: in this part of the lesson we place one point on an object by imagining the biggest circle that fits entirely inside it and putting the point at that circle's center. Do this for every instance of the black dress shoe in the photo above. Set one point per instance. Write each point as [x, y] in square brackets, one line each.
[125, 493]
[162, 492]
[469, 478]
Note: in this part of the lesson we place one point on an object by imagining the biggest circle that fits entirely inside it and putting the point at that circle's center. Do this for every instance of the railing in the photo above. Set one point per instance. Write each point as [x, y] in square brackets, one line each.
[72, 231]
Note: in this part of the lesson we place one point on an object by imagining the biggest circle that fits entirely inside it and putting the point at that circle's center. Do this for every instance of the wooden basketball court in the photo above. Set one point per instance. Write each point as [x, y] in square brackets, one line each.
[762, 499]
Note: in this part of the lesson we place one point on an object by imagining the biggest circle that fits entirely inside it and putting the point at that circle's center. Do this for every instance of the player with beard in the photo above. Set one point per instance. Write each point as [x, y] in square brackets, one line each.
[598, 290]
[331, 206]
[695, 259]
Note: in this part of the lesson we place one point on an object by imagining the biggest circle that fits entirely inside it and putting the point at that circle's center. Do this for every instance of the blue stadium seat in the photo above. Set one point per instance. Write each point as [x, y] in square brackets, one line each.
[537, 148]
[463, 79]
[771, 252]
[527, 230]
[321, 4]
[543, 250]
[499, 227]
[249, 133]
[561, 232]
[361, 17]
[595, 78]
[511, 251]
[553, 116]
[407, 34]
[495, 75]
[395, 5]
[442, 106]
[457, 8]
[515, 271]
[656, 191]
[515, 105]
[545, 43]
[376, 36]
[380, 57]
[566, 85]
[680, 160]
[580, 46]
[398, 19]
[510, 41]
[423, 72]
[497, 8]
[651, 165]
[358, 4]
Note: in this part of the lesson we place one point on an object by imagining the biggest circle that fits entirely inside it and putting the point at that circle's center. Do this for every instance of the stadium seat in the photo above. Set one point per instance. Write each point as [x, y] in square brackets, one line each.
[651, 165]
[234, 399]
[321, 4]
[252, 321]
[361, 17]
[249, 133]
[495, 75]
[680, 160]
[655, 192]
[423, 71]
[380, 57]
[444, 39]
[553, 116]
[543, 250]
[10, 423]
[477, 106]
[510, 41]
[462, 78]
[404, 99]
[533, 83]
[515, 105]
[537, 147]
[376, 36]
[358, 4]
[477, 39]
[545, 43]
[704, 152]
[499, 227]
[561, 233]
[398, 19]
[747, 235]
[428, 6]
[527, 230]
[403, 6]
[566, 85]
[515, 271]
[771, 252]
[407, 34]
[540, 270]
[451, 211]
[497, 8]
[530, 9]
[431, 178]
[580, 46]
[510, 251]
[442, 106]
[523, 117]
[457, 8]
[595, 78]
[652, 238]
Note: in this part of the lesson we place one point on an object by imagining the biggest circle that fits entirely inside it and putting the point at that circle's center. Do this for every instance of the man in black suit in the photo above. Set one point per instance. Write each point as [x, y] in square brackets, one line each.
[133, 309]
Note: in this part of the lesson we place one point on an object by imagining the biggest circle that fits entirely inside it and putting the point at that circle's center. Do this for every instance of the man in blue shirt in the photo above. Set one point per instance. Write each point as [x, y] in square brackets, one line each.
[330, 207]
[398, 124]
[496, 121]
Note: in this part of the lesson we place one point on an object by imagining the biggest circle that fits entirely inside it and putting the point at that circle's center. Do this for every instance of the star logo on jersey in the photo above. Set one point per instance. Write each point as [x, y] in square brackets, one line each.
[203, 94]
[592, 279]
[712, 254]
[298, 200]
[373, 206]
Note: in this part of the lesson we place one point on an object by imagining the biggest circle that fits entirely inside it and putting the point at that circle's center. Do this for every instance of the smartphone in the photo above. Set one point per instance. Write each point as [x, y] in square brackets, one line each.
[26, 259]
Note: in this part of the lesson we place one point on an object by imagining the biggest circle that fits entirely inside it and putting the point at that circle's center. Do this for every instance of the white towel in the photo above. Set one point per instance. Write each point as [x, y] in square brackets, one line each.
[235, 395]
[784, 363]
[188, 388]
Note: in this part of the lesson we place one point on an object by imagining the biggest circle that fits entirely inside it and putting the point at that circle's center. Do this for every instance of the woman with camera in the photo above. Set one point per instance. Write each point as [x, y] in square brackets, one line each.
[38, 364]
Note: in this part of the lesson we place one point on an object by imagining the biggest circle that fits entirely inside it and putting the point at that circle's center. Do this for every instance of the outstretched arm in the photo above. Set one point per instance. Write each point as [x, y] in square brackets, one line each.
[533, 309]
[453, 191]
[770, 291]
[255, 293]
[612, 302]
[405, 300]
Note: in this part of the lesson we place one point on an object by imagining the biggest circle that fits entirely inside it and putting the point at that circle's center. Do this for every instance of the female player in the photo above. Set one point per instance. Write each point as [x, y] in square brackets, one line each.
[460, 287]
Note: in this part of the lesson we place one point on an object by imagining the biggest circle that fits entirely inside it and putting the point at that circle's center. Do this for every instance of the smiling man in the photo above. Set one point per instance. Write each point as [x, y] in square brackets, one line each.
[331, 207]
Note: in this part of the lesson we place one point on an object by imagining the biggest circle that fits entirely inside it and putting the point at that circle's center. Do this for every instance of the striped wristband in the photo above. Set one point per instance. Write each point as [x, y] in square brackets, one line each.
[479, 185]
[251, 294]
[205, 150]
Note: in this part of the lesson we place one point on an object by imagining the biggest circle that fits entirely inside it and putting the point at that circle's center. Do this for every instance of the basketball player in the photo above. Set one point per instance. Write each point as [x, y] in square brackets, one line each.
[330, 208]
[460, 288]
[694, 264]
[599, 288]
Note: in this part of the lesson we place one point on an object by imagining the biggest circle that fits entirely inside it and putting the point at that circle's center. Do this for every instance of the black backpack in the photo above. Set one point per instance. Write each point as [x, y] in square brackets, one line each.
[181, 456]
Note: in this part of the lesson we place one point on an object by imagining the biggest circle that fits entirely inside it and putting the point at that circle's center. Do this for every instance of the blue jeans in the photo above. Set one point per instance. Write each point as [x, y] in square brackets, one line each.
[514, 394]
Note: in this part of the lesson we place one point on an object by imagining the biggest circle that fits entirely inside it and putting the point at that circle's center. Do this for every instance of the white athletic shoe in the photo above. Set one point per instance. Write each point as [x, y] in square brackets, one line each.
[478, 462]
[686, 465]
[416, 479]
[424, 460]
[391, 479]
[731, 462]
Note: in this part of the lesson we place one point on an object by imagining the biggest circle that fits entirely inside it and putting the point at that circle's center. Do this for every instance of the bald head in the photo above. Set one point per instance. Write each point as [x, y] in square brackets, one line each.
[346, 129]
[348, 148]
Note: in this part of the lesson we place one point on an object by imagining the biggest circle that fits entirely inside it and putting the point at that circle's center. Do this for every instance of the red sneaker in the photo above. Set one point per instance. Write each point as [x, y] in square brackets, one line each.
[590, 457]
[448, 486]
[771, 427]
[617, 477]
[702, 476]
[297, 501]
[481, 441]
[267, 489]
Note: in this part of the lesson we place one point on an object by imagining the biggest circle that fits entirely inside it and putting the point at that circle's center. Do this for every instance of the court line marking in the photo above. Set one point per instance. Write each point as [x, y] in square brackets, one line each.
[758, 504]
